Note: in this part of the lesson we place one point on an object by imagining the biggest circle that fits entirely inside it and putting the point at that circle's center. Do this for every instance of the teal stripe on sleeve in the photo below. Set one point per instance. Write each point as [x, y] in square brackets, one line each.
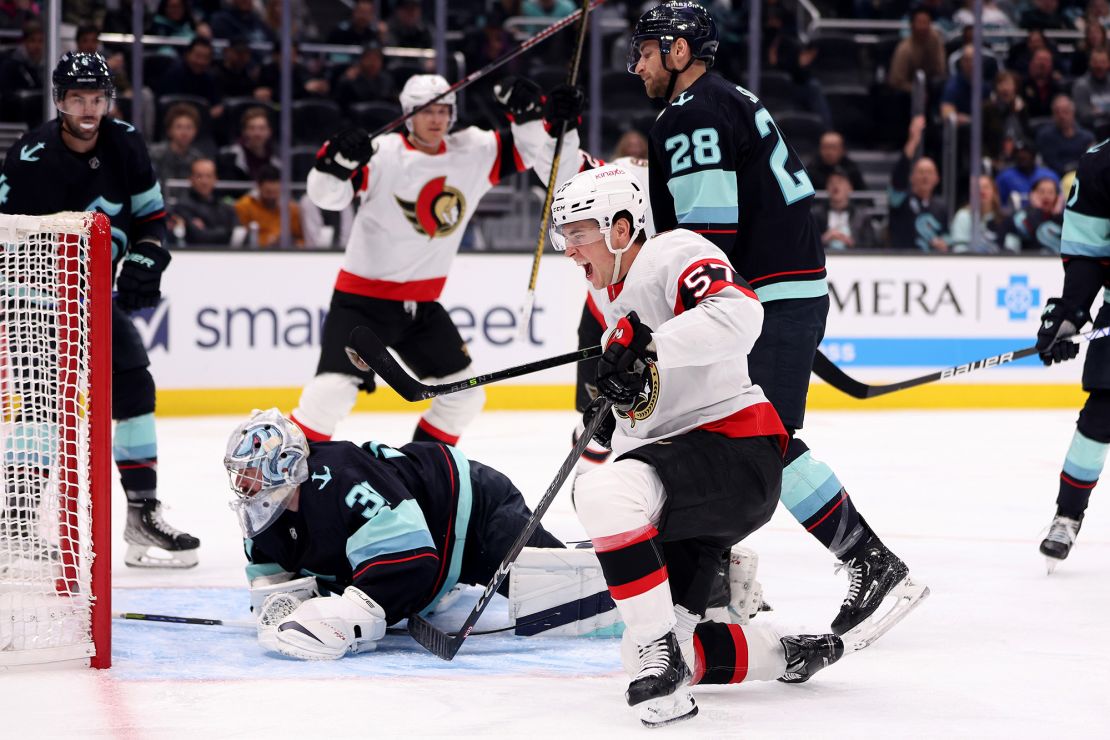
[147, 202]
[462, 521]
[263, 569]
[391, 530]
[1085, 236]
[709, 196]
[793, 289]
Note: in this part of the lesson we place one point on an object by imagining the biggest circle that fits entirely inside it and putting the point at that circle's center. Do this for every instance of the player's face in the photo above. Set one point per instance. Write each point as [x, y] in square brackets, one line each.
[586, 246]
[81, 112]
[430, 125]
[247, 482]
[650, 69]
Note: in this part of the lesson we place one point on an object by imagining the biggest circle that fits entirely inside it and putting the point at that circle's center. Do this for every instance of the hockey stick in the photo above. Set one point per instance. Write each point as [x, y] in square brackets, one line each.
[251, 625]
[824, 368]
[445, 644]
[367, 352]
[545, 213]
[501, 61]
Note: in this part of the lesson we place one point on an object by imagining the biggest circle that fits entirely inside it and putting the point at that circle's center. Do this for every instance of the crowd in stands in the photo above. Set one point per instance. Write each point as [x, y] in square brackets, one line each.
[211, 94]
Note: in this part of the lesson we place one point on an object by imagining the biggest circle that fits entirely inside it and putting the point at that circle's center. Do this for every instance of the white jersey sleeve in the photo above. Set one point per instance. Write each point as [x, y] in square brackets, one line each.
[537, 151]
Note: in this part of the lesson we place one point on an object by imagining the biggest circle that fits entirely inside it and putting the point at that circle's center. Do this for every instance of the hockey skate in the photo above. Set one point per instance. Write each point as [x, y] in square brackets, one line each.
[146, 529]
[24, 553]
[880, 595]
[660, 691]
[1061, 538]
[807, 654]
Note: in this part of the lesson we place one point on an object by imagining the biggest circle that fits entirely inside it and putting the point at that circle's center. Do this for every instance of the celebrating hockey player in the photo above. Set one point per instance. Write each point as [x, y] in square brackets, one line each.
[718, 165]
[392, 530]
[86, 160]
[1085, 249]
[418, 191]
[698, 446]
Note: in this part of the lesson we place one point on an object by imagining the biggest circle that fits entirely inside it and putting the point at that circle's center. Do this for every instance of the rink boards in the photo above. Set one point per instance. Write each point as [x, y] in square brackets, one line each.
[239, 330]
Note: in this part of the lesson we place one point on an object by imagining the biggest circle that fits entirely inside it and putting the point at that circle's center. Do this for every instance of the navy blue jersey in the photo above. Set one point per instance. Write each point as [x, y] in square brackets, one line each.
[914, 223]
[42, 175]
[719, 166]
[391, 522]
[1085, 240]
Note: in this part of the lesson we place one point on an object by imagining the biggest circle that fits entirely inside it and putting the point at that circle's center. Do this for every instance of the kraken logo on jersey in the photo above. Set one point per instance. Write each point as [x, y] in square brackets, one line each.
[438, 209]
[645, 403]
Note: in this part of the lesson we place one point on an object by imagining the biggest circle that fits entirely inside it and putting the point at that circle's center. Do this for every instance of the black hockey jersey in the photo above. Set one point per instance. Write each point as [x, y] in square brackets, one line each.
[914, 223]
[42, 175]
[1085, 240]
[390, 522]
[719, 166]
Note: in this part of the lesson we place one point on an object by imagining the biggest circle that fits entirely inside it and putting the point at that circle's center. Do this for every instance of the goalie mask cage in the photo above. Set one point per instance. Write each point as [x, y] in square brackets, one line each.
[55, 439]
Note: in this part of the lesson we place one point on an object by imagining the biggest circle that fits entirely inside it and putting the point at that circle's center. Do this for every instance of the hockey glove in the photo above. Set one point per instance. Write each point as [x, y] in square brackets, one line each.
[521, 98]
[628, 351]
[328, 627]
[563, 105]
[1060, 319]
[139, 279]
[604, 434]
[345, 153]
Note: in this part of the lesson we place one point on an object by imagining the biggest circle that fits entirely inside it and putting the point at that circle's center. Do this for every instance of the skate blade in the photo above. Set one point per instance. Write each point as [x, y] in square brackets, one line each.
[667, 710]
[901, 600]
[1051, 563]
[148, 556]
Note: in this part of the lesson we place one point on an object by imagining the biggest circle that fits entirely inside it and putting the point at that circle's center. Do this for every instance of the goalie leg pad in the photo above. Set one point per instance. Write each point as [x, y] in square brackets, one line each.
[561, 592]
[745, 592]
[328, 627]
[325, 401]
[263, 586]
[452, 413]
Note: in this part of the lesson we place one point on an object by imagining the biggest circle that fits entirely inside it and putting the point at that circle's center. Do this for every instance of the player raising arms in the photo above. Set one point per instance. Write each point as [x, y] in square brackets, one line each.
[698, 447]
[418, 191]
[86, 160]
[718, 165]
[1085, 249]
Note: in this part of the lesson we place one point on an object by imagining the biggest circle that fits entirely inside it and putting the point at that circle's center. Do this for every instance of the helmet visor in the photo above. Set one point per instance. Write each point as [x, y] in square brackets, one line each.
[83, 102]
[575, 234]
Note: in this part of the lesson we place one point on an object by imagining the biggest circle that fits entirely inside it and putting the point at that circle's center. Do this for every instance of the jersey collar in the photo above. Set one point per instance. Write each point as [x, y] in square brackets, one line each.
[411, 148]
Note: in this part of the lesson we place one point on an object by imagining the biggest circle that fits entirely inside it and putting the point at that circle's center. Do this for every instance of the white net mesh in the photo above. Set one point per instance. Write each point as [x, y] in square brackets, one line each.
[45, 521]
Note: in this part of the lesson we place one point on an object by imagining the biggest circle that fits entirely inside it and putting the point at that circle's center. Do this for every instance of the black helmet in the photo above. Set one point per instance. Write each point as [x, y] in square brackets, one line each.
[81, 70]
[672, 20]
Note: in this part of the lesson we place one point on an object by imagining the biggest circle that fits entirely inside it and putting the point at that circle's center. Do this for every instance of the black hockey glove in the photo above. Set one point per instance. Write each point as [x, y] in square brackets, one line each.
[345, 153]
[520, 97]
[604, 434]
[563, 105]
[140, 277]
[628, 351]
[1059, 320]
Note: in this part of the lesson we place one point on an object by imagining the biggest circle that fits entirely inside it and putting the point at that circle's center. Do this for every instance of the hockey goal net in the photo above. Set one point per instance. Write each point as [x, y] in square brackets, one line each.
[55, 439]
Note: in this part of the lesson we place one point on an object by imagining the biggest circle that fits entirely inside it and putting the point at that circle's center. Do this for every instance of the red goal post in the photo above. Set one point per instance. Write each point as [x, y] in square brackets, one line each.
[55, 439]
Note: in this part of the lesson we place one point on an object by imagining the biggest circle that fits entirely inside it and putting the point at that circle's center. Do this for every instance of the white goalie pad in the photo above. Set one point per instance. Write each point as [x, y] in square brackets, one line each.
[561, 592]
[746, 598]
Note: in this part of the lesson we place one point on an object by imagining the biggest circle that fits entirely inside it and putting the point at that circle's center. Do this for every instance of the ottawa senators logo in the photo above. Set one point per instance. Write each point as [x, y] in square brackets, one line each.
[438, 209]
[644, 405]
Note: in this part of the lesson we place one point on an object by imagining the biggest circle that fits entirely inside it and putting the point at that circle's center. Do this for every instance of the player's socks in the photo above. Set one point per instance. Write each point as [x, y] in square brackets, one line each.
[1082, 468]
[814, 495]
[135, 449]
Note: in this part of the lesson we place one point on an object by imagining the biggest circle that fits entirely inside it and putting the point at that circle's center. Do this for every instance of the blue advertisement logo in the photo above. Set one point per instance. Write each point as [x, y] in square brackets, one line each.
[1018, 298]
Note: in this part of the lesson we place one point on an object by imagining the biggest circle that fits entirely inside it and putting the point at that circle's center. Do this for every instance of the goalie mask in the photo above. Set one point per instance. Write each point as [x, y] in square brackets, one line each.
[600, 195]
[266, 461]
[421, 89]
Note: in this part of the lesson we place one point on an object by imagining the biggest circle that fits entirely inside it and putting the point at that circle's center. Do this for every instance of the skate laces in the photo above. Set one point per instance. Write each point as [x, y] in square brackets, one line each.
[654, 658]
[855, 573]
[156, 521]
[1063, 530]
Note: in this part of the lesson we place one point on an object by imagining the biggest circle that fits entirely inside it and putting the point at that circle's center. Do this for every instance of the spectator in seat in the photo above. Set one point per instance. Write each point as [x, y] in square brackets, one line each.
[918, 218]
[784, 51]
[195, 76]
[831, 156]
[358, 30]
[1094, 37]
[1062, 142]
[22, 69]
[237, 72]
[261, 206]
[956, 98]
[207, 219]
[174, 157]
[1014, 183]
[1022, 52]
[631, 144]
[842, 223]
[1046, 15]
[1037, 228]
[994, 17]
[1091, 92]
[1042, 85]
[1005, 119]
[991, 220]
[15, 13]
[175, 19]
[87, 39]
[255, 149]
[305, 83]
[240, 19]
[367, 80]
[406, 26]
[922, 50]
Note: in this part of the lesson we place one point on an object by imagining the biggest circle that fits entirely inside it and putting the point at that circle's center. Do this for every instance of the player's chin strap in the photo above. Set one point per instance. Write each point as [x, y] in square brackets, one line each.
[674, 75]
[617, 253]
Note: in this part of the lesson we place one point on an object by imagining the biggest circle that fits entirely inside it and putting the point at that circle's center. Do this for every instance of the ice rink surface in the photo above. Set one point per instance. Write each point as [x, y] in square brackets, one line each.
[998, 650]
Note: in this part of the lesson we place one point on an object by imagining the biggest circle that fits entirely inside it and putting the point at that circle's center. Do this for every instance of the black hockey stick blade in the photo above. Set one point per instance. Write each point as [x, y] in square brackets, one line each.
[367, 352]
[445, 645]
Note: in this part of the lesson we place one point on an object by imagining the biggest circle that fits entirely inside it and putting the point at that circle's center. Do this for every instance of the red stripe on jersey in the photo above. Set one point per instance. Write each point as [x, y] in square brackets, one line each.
[409, 145]
[757, 420]
[311, 434]
[698, 669]
[495, 171]
[439, 434]
[450, 520]
[591, 305]
[740, 644]
[1073, 482]
[517, 161]
[410, 290]
[714, 231]
[624, 539]
[137, 466]
[614, 290]
[639, 586]
[394, 562]
[152, 217]
[788, 272]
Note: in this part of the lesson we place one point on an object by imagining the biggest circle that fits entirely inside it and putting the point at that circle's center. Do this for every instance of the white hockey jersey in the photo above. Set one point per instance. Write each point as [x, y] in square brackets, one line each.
[704, 320]
[415, 206]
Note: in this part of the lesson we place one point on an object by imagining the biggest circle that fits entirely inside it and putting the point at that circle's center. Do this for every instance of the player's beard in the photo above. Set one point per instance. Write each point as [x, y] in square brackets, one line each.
[72, 126]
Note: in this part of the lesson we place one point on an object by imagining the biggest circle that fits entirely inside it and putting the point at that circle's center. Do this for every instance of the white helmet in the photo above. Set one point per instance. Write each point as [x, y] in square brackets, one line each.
[420, 89]
[266, 461]
[599, 194]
